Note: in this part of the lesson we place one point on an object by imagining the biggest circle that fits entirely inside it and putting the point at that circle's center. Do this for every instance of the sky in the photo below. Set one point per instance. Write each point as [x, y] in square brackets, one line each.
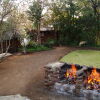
[23, 5]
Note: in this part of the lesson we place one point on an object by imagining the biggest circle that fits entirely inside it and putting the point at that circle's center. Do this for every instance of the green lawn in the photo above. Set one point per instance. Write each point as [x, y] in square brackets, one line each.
[83, 57]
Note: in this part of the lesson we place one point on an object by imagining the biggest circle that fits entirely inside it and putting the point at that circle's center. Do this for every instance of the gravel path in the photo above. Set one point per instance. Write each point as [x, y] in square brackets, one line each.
[24, 74]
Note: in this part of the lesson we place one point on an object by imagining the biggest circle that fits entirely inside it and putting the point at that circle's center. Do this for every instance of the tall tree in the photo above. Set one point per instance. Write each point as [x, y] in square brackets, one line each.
[6, 8]
[35, 15]
[75, 20]
[96, 8]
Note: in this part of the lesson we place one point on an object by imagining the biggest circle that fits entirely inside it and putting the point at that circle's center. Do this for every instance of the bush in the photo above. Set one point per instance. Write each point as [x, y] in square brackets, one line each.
[50, 43]
[34, 47]
[32, 44]
[37, 48]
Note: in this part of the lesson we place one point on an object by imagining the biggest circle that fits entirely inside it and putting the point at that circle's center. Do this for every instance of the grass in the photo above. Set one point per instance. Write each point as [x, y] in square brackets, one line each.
[83, 57]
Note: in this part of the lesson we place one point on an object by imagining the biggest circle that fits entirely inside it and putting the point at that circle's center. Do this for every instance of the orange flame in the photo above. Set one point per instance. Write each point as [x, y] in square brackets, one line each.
[94, 77]
[71, 72]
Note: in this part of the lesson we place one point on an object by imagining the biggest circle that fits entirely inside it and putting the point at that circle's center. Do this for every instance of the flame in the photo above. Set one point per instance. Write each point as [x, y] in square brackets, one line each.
[94, 77]
[71, 72]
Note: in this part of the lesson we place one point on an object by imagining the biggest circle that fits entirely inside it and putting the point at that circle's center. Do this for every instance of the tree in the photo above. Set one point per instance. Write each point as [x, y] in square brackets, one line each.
[35, 15]
[21, 25]
[76, 21]
[6, 32]
[63, 18]
[96, 8]
[6, 8]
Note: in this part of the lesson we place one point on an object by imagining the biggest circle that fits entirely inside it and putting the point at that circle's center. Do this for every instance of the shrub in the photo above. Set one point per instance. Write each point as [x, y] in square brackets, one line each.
[33, 47]
[32, 44]
[50, 43]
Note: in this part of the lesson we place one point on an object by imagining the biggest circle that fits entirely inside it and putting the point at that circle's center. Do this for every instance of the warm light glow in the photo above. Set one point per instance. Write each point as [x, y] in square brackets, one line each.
[94, 77]
[71, 72]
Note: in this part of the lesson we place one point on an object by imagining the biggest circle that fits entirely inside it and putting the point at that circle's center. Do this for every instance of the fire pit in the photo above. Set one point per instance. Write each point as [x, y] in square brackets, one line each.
[71, 79]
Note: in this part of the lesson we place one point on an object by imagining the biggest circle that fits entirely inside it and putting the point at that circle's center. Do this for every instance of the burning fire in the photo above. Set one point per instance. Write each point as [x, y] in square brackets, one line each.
[71, 72]
[94, 79]
[91, 82]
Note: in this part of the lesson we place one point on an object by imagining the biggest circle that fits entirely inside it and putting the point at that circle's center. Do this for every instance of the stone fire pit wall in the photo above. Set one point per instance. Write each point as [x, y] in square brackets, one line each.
[52, 72]
[53, 81]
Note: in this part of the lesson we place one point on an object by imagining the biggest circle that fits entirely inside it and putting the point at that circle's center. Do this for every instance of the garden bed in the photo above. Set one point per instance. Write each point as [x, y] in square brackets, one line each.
[37, 48]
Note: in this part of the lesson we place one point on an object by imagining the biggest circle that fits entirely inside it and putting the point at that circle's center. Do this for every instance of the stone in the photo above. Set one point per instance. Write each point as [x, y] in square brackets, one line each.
[5, 55]
[55, 65]
[14, 97]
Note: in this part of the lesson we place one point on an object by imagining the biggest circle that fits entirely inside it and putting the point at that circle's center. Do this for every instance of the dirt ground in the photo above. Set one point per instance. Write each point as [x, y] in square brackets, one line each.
[24, 74]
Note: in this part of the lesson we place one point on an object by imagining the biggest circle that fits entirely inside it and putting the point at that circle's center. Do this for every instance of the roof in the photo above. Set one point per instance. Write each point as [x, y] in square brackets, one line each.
[46, 29]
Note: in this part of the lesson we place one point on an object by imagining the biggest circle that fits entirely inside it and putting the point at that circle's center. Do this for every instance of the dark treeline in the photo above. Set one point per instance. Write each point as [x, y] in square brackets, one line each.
[76, 20]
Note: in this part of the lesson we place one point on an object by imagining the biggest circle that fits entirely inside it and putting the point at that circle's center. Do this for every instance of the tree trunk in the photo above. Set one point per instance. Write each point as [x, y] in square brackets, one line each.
[24, 48]
[1, 46]
[38, 34]
[1, 42]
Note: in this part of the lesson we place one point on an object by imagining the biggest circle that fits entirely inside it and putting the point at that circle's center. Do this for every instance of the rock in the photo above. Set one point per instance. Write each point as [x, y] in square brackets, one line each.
[13, 97]
[52, 73]
[82, 43]
[5, 55]
[54, 66]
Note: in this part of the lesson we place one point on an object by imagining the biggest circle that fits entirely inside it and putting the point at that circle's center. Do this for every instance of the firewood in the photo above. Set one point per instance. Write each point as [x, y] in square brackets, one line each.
[81, 71]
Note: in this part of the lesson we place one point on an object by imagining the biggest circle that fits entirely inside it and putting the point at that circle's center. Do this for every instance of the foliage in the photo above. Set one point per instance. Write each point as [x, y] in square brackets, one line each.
[76, 21]
[36, 48]
[35, 15]
[6, 28]
[50, 43]
[32, 44]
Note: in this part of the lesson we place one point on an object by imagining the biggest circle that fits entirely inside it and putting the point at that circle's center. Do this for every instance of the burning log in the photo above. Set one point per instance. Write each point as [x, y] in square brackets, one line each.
[81, 71]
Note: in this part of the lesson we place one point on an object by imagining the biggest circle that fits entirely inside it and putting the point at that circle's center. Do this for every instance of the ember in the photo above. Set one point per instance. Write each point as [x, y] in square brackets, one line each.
[93, 80]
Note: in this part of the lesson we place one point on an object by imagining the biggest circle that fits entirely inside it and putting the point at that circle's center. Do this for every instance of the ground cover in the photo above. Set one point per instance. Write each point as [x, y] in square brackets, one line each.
[83, 57]
[36, 48]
